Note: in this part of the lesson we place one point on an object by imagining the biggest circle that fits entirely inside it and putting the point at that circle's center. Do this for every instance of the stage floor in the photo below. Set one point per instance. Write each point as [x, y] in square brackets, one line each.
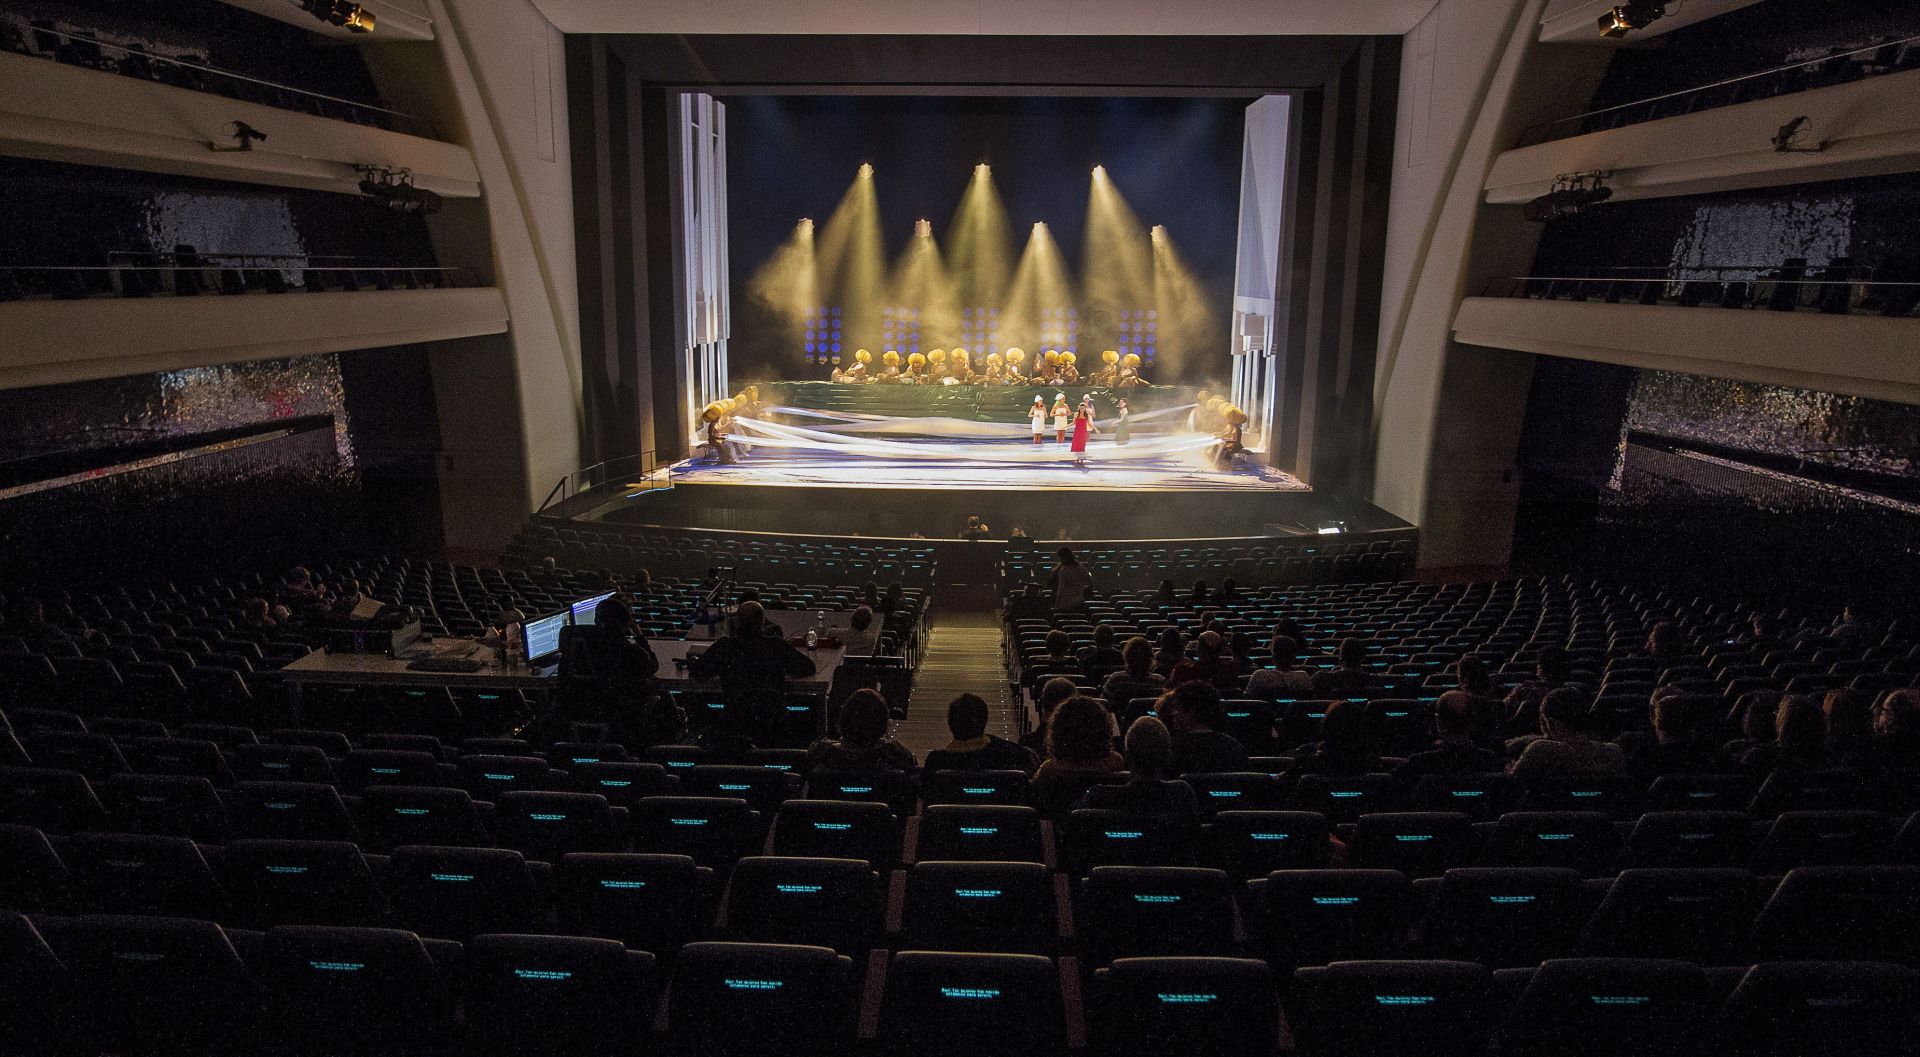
[1178, 473]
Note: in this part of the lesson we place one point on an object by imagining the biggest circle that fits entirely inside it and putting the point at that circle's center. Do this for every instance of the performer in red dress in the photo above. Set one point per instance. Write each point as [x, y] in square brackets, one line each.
[1082, 427]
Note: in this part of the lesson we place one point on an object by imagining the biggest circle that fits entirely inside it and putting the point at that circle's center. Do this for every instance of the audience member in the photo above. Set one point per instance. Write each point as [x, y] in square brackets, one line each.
[1079, 755]
[1283, 679]
[862, 638]
[863, 744]
[1071, 582]
[1896, 733]
[1682, 741]
[751, 665]
[1753, 716]
[1849, 741]
[1169, 652]
[256, 615]
[1350, 677]
[1210, 664]
[972, 748]
[1456, 717]
[1052, 694]
[1194, 712]
[1799, 739]
[1566, 747]
[1552, 669]
[1101, 658]
[1345, 747]
[1136, 677]
[1166, 595]
[1665, 643]
[1153, 788]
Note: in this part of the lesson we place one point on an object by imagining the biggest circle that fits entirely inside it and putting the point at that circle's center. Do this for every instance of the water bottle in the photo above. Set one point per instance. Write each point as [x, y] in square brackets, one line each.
[516, 646]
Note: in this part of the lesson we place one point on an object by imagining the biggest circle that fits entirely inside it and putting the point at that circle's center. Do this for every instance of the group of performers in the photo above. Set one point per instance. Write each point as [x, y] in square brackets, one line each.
[1227, 423]
[719, 418]
[1082, 422]
[939, 367]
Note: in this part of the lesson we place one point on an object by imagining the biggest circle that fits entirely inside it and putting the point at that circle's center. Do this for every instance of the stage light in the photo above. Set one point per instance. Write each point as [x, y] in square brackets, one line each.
[342, 13]
[923, 228]
[866, 169]
[982, 171]
[1626, 18]
[394, 188]
[1331, 528]
[1157, 232]
[1099, 170]
[1572, 194]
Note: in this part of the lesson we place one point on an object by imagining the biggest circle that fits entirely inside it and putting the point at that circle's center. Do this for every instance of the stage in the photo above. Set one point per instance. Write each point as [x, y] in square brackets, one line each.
[1172, 473]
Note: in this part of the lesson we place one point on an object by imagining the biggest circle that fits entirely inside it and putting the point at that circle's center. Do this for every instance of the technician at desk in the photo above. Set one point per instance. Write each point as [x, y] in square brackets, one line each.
[606, 671]
[750, 661]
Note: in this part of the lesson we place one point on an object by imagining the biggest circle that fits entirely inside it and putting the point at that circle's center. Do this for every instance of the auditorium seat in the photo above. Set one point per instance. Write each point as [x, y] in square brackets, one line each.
[1500, 917]
[1688, 839]
[836, 903]
[355, 992]
[974, 787]
[1417, 843]
[489, 777]
[554, 995]
[982, 906]
[1253, 844]
[980, 833]
[1821, 1009]
[288, 811]
[1610, 1007]
[654, 903]
[34, 879]
[1823, 838]
[171, 987]
[1343, 799]
[165, 805]
[1093, 837]
[892, 788]
[762, 1000]
[1368, 1008]
[1585, 841]
[623, 782]
[94, 756]
[193, 757]
[1156, 911]
[1842, 912]
[458, 893]
[713, 830]
[49, 800]
[279, 763]
[544, 825]
[1312, 917]
[960, 1005]
[1701, 792]
[361, 769]
[300, 882]
[389, 816]
[566, 755]
[38, 1005]
[838, 829]
[1207, 1007]
[1698, 915]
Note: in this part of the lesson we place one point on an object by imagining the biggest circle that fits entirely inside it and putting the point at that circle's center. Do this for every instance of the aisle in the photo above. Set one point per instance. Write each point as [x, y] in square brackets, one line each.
[962, 656]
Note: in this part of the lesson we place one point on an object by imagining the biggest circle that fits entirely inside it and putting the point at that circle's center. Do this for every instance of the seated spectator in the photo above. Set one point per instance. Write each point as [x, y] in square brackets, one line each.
[256, 615]
[1210, 664]
[1799, 739]
[1284, 679]
[1194, 712]
[1169, 652]
[1455, 718]
[1896, 733]
[752, 664]
[1345, 747]
[863, 744]
[1350, 677]
[1665, 643]
[862, 638]
[1753, 716]
[1566, 747]
[1294, 630]
[1762, 635]
[1849, 741]
[1229, 591]
[1856, 628]
[1153, 788]
[972, 748]
[1103, 657]
[1136, 677]
[1079, 755]
[1166, 595]
[1552, 669]
[1059, 659]
[1052, 693]
[1242, 647]
[1682, 741]
[1199, 596]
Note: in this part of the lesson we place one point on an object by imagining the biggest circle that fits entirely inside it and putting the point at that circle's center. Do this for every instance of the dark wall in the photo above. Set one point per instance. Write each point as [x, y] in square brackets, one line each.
[59, 214]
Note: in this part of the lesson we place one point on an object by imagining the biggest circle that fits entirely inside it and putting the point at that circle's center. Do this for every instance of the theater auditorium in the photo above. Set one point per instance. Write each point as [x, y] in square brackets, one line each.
[959, 528]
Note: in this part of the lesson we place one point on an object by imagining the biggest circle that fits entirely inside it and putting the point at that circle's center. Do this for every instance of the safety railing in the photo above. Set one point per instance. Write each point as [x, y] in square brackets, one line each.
[623, 477]
[141, 274]
[1841, 67]
[131, 60]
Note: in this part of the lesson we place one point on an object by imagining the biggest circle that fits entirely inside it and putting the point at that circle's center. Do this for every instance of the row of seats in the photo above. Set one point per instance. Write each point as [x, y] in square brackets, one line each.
[753, 556]
[170, 986]
[1133, 567]
[1504, 915]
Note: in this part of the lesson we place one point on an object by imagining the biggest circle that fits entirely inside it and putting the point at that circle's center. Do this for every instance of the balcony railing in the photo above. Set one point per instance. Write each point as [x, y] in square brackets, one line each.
[190, 274]
[616, 478]
[131, 60]
[1837, 289]
[1840, 67]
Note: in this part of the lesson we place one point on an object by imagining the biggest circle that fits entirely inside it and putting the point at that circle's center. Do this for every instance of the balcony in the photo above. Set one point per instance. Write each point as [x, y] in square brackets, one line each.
[188, 273]
[1836, 289]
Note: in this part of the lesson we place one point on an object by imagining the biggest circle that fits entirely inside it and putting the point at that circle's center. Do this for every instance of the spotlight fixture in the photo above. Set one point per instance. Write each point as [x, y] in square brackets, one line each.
[394, 188]
[806, 224]
[1793, 138]
[983, 170]
[923, 228]
[1572, 193]
[866, 169]
[1626, 18]
[1157, 232]
[1099, 170]
[341, 13]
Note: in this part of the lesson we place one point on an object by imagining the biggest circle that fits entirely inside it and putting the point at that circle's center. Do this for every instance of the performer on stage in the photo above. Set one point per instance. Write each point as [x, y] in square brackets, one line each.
[916, 369]
[937, 367]
[1230, 437]
[1038, 413]
[962, 364]
[858, 372]
[1122, 427]
[889, 366]
[1082, 428]
[1109, 369]
[1046, 370]
[996, 369]
[1069, 374]
[1129, 374]
[1061, 412]
[1016, 373]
